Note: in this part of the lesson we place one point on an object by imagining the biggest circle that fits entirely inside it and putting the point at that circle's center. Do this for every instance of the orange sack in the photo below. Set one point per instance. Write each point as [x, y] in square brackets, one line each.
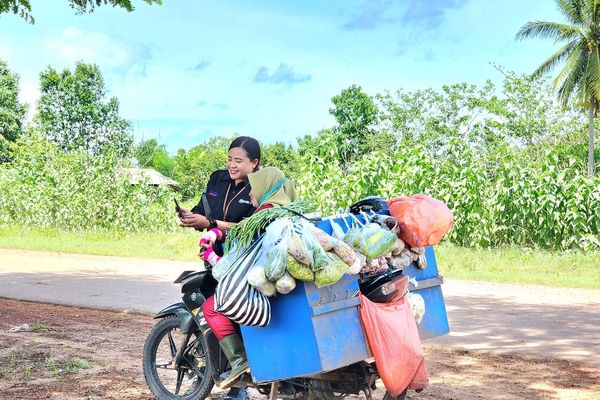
[423, 221]
[394, 340]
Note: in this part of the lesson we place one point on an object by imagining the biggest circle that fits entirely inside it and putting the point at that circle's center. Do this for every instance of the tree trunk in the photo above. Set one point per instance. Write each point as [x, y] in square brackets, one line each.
[591, 162]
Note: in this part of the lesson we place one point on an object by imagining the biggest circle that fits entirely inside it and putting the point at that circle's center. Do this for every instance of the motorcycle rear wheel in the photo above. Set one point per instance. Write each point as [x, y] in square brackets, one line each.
[192, 380]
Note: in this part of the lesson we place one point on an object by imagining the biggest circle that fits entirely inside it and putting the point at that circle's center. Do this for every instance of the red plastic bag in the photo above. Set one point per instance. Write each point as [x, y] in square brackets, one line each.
[394, 341]
[423, 221]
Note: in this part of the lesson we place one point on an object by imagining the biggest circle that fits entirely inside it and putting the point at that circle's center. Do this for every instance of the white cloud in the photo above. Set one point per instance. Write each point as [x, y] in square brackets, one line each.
[108, 52]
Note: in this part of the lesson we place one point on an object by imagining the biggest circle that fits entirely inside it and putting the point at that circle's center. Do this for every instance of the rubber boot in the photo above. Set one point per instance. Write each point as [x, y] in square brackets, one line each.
[234, 351]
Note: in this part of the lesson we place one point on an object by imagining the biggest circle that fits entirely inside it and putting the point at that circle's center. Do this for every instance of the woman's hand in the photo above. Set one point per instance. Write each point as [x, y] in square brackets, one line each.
[196, 221]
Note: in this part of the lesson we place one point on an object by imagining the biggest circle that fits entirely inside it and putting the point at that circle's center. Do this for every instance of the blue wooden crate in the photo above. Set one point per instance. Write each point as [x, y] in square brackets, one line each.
[312, 330]
[315, 330]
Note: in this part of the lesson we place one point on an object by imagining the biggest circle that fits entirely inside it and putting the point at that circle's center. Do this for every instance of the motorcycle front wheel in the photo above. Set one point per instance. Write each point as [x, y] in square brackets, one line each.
[192, 379]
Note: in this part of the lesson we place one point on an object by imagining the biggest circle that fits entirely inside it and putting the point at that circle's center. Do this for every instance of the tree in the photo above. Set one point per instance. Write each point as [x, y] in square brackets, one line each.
[356, 114]
[22, 8]
[150, 154]
[579, 79]
[74, 112]
[12, 113]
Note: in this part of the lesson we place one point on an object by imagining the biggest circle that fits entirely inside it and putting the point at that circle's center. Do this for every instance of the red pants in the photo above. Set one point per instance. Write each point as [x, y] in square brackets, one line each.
[219, 324]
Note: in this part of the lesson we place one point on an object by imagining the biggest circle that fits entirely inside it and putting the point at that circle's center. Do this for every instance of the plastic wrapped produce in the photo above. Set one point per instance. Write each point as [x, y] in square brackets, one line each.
[417, 304]
[257, 279]
[331, 272]
[337, 231]
[398, 247]
[285, 284]
[375, 266]
[277, 231]
[402, 260]
[344, 251]
[297, 250]
[223, 266]
[423, 221]
[315, 250]
[352, 237]
[300, 271]
[326, 241]
[376, 241]
[276, 262]
[358, 265]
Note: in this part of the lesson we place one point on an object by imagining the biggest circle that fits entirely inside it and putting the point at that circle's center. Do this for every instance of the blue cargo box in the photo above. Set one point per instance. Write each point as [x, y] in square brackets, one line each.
[316, 330]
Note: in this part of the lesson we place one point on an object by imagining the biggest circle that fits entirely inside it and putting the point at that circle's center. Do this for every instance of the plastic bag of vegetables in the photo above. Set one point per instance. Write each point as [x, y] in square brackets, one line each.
[257, 279]
[358, 264]
[376, 241]
[325, 240]
[344, 251]
[300, 271]
[352, 237]
[285, 284]
[297, 249]
[331, 272]
[317, 254]
[277, 260]
[277, 231]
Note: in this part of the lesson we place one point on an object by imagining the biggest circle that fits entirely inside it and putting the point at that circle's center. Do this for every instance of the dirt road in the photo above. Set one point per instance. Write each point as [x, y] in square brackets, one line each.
[498, 318]
[83, 354]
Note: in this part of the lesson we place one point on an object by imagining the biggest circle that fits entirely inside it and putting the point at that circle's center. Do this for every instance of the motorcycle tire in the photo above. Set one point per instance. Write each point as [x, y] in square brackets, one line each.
[161, 340]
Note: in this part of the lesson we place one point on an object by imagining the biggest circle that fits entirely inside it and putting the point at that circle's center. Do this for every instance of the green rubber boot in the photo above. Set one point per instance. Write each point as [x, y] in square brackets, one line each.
[234, 351]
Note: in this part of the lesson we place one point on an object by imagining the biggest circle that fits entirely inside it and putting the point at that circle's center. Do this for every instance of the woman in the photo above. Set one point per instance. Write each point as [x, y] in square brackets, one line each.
[226, 201]
[270, 188]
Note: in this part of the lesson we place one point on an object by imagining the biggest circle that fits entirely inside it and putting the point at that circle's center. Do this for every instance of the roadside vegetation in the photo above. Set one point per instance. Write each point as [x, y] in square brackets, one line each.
[509, 160]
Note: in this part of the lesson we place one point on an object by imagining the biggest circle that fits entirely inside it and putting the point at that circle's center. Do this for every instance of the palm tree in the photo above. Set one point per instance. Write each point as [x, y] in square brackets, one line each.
[579, 79]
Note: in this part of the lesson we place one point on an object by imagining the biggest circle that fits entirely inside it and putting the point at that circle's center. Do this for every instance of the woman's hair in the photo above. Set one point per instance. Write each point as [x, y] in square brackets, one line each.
[250, 146]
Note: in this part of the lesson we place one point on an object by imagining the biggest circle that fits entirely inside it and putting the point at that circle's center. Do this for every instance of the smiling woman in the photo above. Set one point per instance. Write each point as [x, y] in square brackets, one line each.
[226, 199]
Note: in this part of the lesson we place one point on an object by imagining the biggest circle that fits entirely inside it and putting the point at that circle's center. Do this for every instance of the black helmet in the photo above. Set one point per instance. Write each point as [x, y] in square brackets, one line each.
[370, 204]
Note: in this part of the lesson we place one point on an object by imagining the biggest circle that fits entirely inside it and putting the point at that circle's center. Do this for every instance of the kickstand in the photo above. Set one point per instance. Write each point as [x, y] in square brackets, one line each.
[273, 394]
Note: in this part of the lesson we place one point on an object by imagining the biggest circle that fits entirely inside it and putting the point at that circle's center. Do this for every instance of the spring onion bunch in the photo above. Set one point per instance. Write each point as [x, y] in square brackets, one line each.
[244, 232]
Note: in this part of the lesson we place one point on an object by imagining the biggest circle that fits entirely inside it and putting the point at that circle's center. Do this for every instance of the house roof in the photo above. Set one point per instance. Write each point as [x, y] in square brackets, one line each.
[154, 177]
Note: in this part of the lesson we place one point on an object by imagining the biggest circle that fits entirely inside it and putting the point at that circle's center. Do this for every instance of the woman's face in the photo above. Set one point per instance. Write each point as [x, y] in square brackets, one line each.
[253, 200]
[239, 164]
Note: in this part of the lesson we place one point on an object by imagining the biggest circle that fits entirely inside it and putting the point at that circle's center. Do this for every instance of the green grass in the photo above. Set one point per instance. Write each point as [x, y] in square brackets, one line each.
[518, 265]
[509, 264]
[181, 245]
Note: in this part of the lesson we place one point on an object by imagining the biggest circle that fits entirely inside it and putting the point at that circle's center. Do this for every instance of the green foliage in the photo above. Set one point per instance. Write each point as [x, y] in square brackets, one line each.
[12, 113]
[284, 157]
[579, 79]
[22, 8]
[45, 186]
[508, 202]
[74, 113]
[150, 154]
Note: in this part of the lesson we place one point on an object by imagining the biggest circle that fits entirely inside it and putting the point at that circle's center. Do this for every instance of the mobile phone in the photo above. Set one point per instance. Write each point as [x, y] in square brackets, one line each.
[177, 208]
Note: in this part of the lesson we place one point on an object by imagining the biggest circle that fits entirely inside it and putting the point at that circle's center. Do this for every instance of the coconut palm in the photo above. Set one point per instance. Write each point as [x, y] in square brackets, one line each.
[579, 79]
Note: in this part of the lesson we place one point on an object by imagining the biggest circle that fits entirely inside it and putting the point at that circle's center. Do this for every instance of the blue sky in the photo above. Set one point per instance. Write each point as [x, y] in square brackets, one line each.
[191, 69]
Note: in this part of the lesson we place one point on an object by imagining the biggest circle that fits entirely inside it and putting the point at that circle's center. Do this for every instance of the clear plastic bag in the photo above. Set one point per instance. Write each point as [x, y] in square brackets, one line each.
[297, 249]
[257, 279]
[285, 284]
[345, 252]
[276, 264]
[276, 231]
[358, 265]
[300, 271]
[337, 231]
[326, 241]
[317, 254]
[223, 266]
[376, 241]
[331, 272]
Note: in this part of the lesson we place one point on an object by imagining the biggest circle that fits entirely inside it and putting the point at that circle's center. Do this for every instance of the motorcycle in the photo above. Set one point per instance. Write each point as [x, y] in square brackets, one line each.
[182, 358]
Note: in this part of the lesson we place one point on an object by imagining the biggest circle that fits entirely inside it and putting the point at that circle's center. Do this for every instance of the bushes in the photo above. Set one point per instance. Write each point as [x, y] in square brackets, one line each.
[45, 186]
[507, 201]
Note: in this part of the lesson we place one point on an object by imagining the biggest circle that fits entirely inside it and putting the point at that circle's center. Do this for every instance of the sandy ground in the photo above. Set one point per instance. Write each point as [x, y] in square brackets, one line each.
[506, 341]
[39, 364]
[499, 318]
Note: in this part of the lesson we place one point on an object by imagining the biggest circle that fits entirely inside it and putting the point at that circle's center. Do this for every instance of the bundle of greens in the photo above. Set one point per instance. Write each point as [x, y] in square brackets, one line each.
[244, 233]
